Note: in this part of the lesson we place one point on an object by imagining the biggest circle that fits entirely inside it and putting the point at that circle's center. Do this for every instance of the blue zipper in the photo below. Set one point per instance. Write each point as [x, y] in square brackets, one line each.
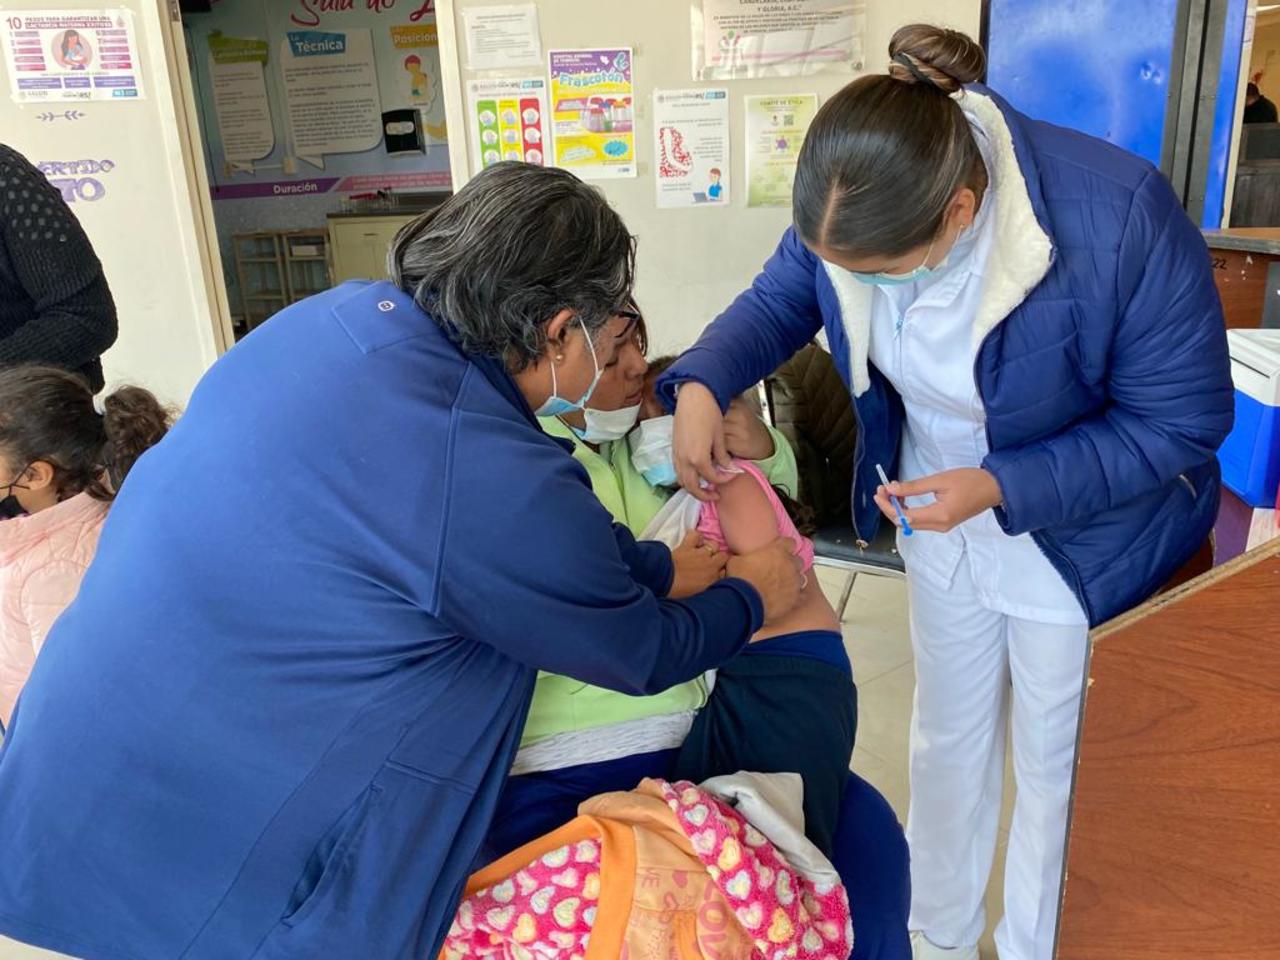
[859, 451]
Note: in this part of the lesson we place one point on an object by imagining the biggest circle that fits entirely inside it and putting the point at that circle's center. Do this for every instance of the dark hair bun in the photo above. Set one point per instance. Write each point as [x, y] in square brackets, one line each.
[948, 59]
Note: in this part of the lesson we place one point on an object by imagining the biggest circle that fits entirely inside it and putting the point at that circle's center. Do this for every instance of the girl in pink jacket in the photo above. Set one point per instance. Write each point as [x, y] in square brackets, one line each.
[61, 462]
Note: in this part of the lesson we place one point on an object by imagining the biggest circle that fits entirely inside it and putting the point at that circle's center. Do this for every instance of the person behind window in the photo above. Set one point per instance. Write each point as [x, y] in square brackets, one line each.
[1257, 108]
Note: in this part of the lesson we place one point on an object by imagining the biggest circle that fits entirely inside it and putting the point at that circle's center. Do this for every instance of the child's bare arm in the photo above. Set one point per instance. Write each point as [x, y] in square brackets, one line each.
[746, 516]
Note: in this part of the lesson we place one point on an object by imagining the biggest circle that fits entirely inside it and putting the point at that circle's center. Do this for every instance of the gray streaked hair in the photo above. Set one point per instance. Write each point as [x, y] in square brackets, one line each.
[511, 249]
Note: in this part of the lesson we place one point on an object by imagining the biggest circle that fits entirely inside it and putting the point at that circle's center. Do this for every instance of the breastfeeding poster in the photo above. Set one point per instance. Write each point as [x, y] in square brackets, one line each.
[71, 55]
[593, 112]
[306, 98]
[775, 132]
[691, 133]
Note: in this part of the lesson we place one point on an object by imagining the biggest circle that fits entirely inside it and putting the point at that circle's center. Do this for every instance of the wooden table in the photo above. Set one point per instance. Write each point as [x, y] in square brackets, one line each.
[1246, 268]
[1175, 834]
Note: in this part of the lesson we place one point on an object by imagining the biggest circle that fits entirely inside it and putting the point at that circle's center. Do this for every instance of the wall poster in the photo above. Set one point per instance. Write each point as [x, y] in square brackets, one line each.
[502, 37]
[508, 118]
[303, 98]
[776, 127]
[691, 148]
[71, 55]
[744, 39]
[592, 112]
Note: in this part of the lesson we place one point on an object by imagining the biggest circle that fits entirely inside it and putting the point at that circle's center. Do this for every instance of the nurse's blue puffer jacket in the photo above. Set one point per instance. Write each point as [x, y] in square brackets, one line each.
[276, 719]
[1101, 359]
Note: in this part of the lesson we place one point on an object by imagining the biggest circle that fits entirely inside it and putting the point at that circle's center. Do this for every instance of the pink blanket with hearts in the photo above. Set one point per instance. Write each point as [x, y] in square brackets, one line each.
[664, 871]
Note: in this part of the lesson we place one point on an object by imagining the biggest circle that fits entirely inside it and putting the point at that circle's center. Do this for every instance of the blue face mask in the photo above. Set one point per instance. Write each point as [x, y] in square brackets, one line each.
[911, 276]
[662, 475]
[556, 405]
[651, 451]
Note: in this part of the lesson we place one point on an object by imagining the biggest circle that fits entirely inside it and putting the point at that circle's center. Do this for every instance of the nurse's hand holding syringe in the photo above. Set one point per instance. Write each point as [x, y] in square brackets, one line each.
[959, 495]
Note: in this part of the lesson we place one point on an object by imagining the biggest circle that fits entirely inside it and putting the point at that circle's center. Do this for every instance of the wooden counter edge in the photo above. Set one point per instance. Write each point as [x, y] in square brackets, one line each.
[1203, 582]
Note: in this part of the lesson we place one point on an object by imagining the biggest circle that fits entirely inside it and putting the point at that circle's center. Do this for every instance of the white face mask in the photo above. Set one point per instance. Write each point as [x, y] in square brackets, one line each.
[651, 451]
[605, 425]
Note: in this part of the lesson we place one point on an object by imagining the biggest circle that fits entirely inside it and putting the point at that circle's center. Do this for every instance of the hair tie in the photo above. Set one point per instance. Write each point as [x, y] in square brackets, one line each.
[910, 64]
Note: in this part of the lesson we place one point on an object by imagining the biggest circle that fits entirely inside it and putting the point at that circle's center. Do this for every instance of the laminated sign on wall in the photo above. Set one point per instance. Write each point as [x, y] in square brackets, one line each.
[691, 149]
[509, 119]
[331, 92]
[502, 37]
[240, 100]
[592, 112]
[71, 55]
[742, 39]
[318, 99]
[776, 128]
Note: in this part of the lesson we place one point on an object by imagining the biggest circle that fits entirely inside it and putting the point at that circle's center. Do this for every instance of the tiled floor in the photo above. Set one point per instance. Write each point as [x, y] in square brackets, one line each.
[876, 634]
[875, 631]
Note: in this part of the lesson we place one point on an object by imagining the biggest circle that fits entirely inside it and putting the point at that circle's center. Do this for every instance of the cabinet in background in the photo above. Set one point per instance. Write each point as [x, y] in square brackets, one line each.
[358, 245]
[275, 268]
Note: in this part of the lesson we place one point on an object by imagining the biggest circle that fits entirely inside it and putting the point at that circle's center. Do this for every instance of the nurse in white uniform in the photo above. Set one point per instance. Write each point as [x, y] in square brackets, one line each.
[1029, 329]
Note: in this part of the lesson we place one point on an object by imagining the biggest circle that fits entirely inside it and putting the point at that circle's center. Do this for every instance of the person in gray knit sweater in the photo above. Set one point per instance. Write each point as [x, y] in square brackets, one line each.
[55, 305]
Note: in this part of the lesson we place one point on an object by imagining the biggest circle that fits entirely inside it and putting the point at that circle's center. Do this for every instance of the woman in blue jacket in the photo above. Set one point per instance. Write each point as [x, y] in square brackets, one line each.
[276, 719]
[1027, 322]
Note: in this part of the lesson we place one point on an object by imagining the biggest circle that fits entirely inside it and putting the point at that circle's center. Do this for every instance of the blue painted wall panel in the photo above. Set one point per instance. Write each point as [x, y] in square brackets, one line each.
[1099, 66]
[1224, 115]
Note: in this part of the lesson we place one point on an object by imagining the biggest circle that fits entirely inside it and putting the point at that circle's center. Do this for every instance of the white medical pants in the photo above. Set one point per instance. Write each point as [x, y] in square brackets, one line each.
[974, 668]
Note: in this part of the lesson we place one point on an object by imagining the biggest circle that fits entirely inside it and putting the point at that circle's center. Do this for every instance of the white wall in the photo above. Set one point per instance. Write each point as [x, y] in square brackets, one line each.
[147, 227]
[692, 262]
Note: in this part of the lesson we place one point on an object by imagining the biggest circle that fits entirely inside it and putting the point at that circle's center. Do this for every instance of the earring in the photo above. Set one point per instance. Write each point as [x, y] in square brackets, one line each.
[559, 358]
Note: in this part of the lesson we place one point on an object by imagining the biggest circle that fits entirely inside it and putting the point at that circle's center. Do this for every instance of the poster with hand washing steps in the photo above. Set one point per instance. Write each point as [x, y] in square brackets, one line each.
[508, 117]
[593, 112]
[691, 147]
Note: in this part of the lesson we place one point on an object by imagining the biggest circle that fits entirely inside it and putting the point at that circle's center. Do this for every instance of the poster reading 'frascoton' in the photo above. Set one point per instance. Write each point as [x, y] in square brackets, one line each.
[64, 55]
[593, 112]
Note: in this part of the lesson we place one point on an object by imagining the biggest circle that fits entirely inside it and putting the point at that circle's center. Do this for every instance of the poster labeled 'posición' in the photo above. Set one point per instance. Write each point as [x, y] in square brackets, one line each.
[71, 55]
[593, 113]
[691, 149]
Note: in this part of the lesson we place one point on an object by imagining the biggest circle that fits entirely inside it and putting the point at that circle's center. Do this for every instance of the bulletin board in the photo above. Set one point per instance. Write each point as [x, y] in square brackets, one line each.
[692, 259]
[301, 98]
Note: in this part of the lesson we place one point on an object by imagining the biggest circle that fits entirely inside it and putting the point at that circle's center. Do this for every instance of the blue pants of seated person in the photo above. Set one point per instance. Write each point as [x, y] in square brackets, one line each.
[786, 704]
[870, 848]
